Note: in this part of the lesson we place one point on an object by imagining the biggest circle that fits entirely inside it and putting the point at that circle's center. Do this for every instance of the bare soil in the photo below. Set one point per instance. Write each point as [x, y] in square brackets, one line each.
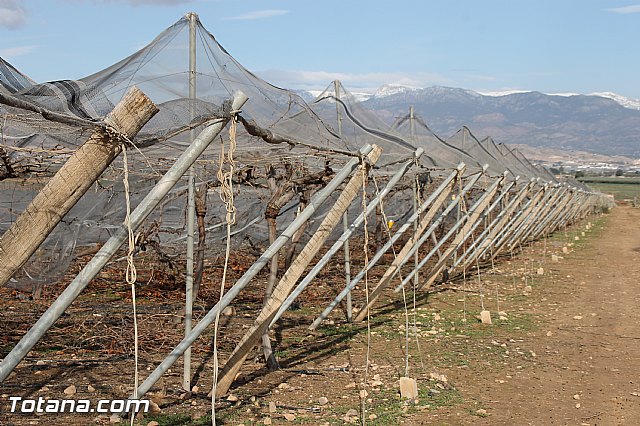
[565, 350]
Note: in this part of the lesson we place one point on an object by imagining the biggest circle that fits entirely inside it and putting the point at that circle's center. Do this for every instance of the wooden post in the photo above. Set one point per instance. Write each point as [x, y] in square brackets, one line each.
[403, 255]
[395, 237]
[413, 244]
[471, 218]
[70, 183]
[251, 338]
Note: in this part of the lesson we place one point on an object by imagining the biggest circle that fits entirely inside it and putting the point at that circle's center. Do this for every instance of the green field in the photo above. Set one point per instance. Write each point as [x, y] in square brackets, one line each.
[621, 188]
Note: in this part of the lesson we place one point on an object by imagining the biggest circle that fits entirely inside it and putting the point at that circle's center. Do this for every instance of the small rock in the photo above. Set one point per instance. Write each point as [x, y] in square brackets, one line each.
[352, 413]
[577, 317]
[485, 317]
[323, 400]
[153, 423]
[364, 393]
[576, 238]
[578, 405]
[481, 412]
[114, 418]
[228, 311]
[540, 271]
[437, 317]
[528, 289]
[576, 396]
[376, 383]
[554, 258]
[195, 389]
[154, 408]
[70, 390]
[350, 385]
[232, 398]
[408, 388]
[284, 386]
[372, 417]
[267, 421]
[439, 377]
[290, 417]
[272, 407]
[40, 362]
[549, 333]
[565, 249]
[91, 388]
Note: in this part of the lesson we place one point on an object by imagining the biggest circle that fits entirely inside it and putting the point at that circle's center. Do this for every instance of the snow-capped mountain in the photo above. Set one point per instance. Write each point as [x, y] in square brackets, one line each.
[622, 100]
[393, 89]
[592, 123]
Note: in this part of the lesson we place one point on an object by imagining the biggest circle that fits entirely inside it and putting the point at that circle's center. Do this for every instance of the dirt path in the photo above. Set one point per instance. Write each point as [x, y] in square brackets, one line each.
[586, 369]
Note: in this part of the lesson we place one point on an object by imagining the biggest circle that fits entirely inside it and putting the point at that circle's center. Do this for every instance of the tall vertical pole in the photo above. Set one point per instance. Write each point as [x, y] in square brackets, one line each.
[191, 206]
[345, 216]
[416, 192]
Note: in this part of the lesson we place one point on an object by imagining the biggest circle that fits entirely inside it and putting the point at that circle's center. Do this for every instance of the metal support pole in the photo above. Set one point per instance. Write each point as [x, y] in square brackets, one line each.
[191, 207]
[242, 282]
[345, 217]
[344, 238]
[431, 199]
[483, 218]
[536, 214]
[489, 234]
[468, 220]
[517, 221]
[412, 246]
[146, 206]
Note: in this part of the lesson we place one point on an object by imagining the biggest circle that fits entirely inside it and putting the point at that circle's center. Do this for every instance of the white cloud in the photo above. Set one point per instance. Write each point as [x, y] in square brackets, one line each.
[258, 14]
[12, 52]
[365, 82]
[625, 10]
[12, 14]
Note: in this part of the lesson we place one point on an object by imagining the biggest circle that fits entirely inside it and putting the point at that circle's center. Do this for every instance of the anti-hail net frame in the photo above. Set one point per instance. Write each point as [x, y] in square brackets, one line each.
[33, 147]
[296, 141]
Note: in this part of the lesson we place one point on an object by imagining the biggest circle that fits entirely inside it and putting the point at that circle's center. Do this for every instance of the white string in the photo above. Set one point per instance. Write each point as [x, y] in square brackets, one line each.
[366, 281]
[226, 195]
[131, 273]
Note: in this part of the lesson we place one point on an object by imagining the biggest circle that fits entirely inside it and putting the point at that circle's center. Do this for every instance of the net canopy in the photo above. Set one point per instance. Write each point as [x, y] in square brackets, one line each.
[339, 108]
[437, 150]
[281, 138]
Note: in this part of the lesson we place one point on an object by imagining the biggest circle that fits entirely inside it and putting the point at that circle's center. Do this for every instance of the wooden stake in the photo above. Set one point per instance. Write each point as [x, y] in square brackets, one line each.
[70, 183]
[261, 324]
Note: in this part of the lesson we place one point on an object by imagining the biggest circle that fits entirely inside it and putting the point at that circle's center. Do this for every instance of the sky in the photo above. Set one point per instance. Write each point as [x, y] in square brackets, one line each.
[551, 46]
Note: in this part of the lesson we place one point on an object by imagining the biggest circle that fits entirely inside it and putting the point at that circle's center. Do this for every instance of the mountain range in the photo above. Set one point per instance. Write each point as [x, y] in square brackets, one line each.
[604, 123]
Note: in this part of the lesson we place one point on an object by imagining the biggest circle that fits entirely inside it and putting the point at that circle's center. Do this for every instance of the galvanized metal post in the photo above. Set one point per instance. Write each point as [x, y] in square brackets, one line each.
[388, 245]
[346, 235]
[242, 282]
[345, 217]
[465, 222]
[487, 237]
[411, 247]
[482, 218]
[191, 206]
[146, 206]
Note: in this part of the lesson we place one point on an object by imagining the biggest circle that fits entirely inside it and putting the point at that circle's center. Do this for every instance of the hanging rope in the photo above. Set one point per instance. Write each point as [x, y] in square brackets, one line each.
[131, 273]
[366, 284]
[226, 195]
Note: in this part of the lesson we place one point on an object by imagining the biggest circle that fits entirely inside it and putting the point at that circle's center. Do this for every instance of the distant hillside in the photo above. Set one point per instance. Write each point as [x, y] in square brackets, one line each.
[590, 123]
